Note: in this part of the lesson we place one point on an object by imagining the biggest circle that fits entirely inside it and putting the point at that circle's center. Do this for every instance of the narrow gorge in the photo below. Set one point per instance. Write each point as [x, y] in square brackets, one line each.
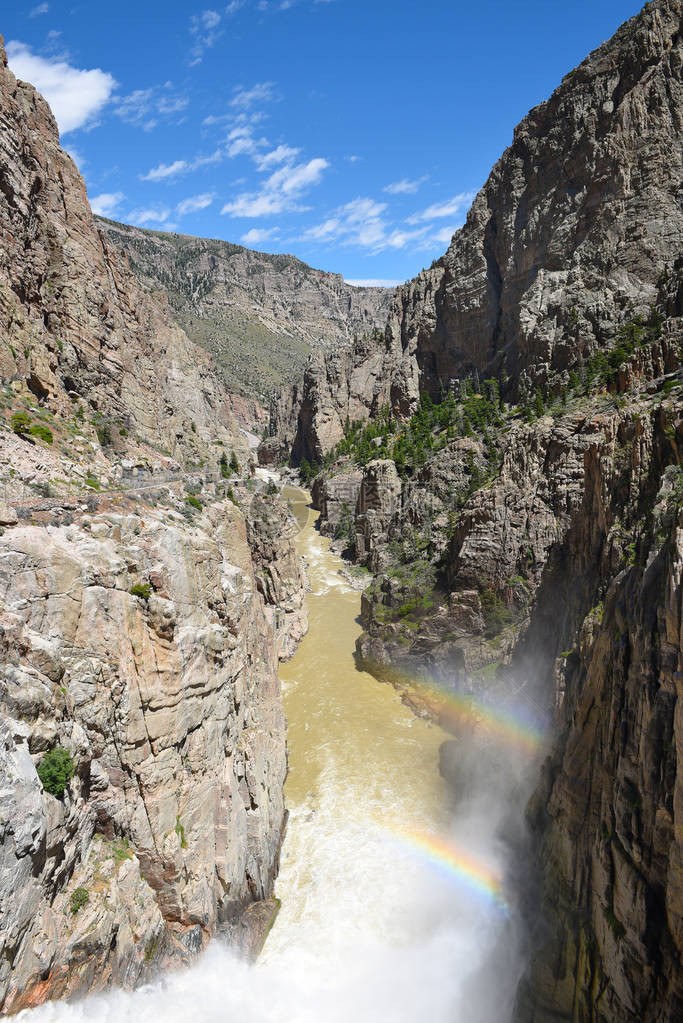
[373, 715]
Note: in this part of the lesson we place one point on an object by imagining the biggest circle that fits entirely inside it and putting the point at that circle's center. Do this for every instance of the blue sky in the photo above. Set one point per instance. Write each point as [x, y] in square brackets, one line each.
[352, 133]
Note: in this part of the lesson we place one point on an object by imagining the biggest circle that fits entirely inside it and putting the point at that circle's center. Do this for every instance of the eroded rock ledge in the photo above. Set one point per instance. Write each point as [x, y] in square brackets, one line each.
[168, 701]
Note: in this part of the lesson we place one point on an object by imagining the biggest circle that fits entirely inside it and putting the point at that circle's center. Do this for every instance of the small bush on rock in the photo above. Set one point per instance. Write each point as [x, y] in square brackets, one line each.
[79, 898]
[55, 771]
[21, 422]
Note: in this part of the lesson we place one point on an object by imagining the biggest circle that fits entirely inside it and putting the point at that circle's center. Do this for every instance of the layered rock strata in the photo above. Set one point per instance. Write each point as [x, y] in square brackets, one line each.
[577, 229]
[75, 327]
[539, 558]
[139, 643]
[260, 315]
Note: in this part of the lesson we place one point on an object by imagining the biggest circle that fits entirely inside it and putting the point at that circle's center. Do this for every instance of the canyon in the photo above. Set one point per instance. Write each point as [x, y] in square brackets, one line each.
[495, 448]
[504, 459]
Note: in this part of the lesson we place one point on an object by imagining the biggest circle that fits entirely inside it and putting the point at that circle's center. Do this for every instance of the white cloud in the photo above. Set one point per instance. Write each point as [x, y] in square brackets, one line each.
[361, 222]
[143, 108]
[76, 96]
[165, 170]
[293, 179]
[204, 28]
[77, 157]
[261, 92]
[372, 282]
[280, 192]
[40, 9]
[448, 208]
[445, 234]
[149, 216]
[240, 141]
[194, 203]
[281, 154]
[107, 203]
[405, 186]
[258, 234]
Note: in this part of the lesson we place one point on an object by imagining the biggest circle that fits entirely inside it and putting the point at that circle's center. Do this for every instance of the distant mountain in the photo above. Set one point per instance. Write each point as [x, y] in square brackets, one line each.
[260, 315]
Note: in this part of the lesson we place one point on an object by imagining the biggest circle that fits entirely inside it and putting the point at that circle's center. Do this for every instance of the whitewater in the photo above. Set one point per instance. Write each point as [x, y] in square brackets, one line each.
[394, 903]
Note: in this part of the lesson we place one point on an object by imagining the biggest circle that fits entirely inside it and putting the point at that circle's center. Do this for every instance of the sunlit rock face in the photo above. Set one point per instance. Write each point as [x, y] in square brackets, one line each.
[133, 638]
[74, 324]
[572, 233]
[170, 706]
[576, 534]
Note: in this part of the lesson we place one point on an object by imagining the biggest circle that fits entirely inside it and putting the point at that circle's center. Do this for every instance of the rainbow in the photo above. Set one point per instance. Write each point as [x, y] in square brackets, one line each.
[456, 862]
[456, 711]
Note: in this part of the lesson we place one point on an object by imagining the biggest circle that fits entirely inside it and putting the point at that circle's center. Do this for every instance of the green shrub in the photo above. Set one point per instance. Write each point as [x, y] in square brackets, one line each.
[225, 471]
[42, 431]
[121, 850]
[55, 771]
[234, 464]
[194, 502]
[180, 832]
[104, 435]
[142, 590]
[79, 898]
[21, 422]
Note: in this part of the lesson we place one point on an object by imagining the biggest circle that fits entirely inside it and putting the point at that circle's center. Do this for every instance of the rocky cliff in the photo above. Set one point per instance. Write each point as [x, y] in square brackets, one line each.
[573, 233]
[142, 736]
[513, 482]
[76, 331]
[260, 315]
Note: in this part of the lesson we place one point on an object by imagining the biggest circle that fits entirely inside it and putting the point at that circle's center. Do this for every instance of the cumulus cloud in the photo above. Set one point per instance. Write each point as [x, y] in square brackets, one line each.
[280, 192]
[76, 96]
[38, 10]
[107, 203]
[194, 203]
[165, 170]
[205, 30]
[144, 108]
[445, 234]
[257, 235]
[281, 154]
[261, 92]
[158, 215]
[405, 186]
[358, 222]
[448, 208]
[363, 223]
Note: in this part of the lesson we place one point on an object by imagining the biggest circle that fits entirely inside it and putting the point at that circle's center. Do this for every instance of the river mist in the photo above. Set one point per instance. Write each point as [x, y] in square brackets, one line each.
[396, 903]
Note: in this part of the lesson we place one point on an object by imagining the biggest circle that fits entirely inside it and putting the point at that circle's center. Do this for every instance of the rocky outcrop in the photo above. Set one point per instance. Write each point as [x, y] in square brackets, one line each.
[75, 328]
[606, 815]
[346, 386]
[139, 645]
[560, 577]
[576, 230]
[142, 734]
[279, 574]
[260, 315]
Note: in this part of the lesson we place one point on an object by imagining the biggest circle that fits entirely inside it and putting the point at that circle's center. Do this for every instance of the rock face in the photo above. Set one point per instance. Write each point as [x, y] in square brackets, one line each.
[576, 229]
[540, 552]
[136, 647]
[607, 811]
[169, 705]
[75, 328]
[259, 314]
[278, 569]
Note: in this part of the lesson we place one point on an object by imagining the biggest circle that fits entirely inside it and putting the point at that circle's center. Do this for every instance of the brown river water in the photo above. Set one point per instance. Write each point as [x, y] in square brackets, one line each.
[381, 922]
